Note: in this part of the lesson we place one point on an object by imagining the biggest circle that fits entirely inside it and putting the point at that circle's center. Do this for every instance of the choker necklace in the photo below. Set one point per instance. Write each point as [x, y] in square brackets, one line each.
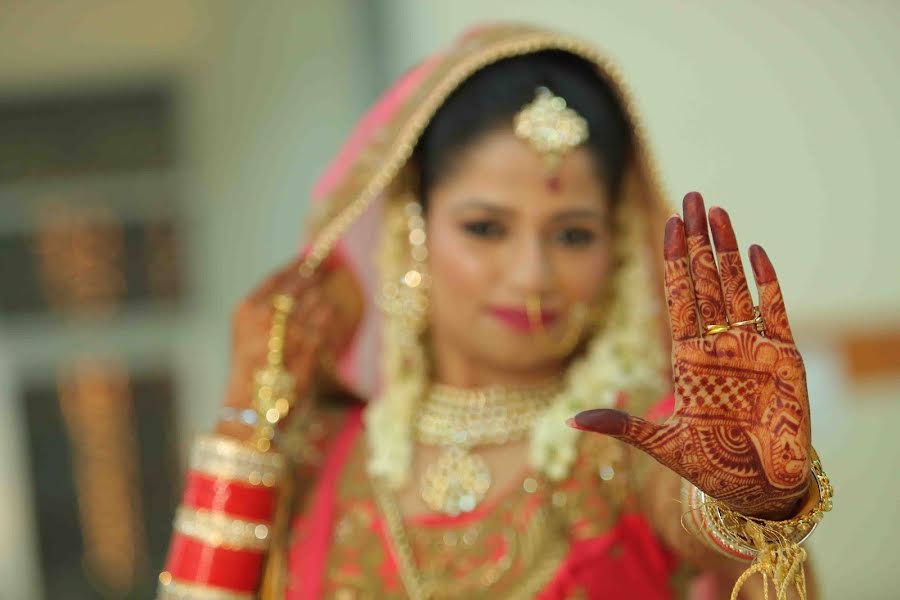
[459, 420]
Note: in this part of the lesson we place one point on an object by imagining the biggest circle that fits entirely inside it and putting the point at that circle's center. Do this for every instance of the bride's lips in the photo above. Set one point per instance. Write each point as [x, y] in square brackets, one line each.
[517, 318]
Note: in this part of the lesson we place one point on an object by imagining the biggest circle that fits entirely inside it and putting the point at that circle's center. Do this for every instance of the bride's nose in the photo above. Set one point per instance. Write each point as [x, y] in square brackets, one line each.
[530, 269]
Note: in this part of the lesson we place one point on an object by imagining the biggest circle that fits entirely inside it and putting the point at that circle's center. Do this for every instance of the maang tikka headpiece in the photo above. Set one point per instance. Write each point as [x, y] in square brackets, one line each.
[550, 127]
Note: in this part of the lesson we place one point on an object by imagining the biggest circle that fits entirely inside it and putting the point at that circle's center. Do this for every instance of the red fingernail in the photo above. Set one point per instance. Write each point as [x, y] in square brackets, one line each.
[722, 231]
[694, 214]
[762, 266]
[673, 246]
[571, 423]
[603, 420]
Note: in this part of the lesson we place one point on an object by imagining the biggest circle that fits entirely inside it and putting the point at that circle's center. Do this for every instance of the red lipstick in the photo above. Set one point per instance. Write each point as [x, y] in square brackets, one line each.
[517, 318]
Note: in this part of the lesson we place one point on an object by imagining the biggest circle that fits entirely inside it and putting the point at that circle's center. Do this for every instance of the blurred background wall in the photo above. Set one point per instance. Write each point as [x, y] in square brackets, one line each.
[784, 113]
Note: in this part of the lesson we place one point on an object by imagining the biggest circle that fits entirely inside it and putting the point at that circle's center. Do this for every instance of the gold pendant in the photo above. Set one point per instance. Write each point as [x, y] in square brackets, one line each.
[456, 482]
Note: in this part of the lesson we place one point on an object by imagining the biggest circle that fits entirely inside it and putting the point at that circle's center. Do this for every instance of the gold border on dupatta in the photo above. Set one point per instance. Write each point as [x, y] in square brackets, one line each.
[391, 148]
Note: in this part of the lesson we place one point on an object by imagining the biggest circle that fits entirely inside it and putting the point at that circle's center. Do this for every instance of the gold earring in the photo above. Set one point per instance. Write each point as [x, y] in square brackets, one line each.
[408, 298]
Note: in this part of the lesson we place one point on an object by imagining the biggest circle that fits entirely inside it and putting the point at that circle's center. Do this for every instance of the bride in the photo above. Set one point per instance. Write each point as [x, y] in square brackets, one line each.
[492, 279]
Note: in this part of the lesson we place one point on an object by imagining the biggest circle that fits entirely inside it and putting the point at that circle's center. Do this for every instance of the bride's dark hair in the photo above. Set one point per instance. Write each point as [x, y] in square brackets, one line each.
[492, 96]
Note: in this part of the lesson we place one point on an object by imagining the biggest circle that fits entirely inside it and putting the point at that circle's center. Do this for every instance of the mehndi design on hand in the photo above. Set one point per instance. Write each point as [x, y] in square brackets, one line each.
[740, 431]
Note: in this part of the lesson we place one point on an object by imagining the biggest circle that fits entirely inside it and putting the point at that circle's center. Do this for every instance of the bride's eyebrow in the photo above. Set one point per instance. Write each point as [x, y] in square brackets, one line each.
[580, 213]
[484, 205]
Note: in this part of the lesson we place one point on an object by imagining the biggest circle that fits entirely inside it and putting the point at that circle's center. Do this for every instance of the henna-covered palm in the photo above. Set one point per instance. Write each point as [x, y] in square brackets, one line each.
[740, 431]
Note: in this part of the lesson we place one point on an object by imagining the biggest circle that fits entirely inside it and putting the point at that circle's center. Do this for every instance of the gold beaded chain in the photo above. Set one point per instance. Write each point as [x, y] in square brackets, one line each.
[459, 420]
[273, 385]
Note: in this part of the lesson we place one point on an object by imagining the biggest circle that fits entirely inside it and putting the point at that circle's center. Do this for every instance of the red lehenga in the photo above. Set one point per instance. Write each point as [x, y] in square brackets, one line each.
[579, 538]
[582, 537]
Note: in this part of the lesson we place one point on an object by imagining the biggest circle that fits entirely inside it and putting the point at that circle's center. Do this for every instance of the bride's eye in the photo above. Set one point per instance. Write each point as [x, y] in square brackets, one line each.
[485, 229]
[575, 236]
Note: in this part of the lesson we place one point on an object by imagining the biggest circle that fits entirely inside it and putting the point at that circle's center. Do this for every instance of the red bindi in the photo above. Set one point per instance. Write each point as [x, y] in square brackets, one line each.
[553, 183]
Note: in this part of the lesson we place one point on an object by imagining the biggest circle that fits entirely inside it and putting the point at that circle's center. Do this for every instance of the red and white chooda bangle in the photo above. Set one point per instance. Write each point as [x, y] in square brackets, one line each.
[222, 527]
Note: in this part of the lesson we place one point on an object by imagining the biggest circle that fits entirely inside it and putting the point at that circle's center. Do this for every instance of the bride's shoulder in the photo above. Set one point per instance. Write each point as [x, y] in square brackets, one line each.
[312, 438]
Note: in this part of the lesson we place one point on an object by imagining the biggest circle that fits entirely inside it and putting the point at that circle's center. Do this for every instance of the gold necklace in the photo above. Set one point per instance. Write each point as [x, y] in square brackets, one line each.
[461, 419]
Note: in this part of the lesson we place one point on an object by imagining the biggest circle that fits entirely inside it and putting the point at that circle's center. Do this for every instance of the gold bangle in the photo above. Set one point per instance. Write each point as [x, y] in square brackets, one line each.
[704, 527]
[729, 529]
[226, 458]
[773, 546]
[221, 530]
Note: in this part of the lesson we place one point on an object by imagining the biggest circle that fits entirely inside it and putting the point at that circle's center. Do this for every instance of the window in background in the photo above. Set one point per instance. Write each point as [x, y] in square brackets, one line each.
[89, 249]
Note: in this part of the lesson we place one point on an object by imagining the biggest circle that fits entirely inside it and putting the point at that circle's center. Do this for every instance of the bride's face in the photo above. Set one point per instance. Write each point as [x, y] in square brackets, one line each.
[501, 231]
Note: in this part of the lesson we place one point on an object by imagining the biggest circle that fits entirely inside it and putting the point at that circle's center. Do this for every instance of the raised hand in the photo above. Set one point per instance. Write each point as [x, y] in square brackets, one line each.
[327, 308]
[740, 431]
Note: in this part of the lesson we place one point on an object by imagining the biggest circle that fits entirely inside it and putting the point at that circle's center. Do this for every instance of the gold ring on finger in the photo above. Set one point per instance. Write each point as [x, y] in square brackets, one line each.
[752, 321]
[757, 321]
[716, 328]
